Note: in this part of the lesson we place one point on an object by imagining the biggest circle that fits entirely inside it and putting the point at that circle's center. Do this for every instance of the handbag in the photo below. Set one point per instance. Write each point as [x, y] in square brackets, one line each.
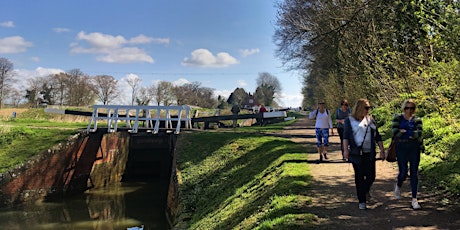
[391, 151]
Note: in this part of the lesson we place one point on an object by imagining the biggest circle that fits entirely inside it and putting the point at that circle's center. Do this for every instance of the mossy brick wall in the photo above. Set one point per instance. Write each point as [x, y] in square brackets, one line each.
[84, 161]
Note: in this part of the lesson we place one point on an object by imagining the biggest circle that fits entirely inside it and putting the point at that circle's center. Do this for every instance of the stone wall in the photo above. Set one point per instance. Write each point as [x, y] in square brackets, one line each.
[84, 161]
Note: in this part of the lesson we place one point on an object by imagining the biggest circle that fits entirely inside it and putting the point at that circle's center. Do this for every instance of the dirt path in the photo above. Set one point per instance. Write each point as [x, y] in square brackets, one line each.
[334, 194]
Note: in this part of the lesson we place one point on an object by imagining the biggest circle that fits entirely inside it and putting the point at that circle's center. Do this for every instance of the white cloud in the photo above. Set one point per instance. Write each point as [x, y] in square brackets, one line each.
[291, 100]
[241, 83]
[15, 44]
[23, 75]
[115, 49]
[180, 81]
[204, 58]
[8, 24]
[142, 39]
[223, 93]
[61, 30]
[35, 59]
[126, 55]
[248, 52]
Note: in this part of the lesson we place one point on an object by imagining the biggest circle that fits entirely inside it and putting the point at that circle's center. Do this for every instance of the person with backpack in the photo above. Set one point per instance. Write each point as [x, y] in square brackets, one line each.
[340, 115]
[407, 129]
[361, 135]
[322, 125]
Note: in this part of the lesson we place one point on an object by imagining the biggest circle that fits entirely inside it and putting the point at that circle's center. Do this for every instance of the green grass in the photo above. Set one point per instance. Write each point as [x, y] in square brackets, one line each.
[32, 132]
[243, 180]
[18, 144]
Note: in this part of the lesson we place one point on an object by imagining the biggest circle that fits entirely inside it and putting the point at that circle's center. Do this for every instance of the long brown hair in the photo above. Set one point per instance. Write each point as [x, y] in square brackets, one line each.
[359, 108]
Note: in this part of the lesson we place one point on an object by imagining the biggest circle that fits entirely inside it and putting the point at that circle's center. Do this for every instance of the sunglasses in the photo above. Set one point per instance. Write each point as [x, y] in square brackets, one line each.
[321, 103]
[345, 104]
[411, 108]
[367, 107]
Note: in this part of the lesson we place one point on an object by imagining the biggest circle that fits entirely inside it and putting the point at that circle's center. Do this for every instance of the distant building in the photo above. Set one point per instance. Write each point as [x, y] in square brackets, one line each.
[250, 103]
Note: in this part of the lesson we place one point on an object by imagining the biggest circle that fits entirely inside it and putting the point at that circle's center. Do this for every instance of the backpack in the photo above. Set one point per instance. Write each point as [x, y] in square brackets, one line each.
[316, 114]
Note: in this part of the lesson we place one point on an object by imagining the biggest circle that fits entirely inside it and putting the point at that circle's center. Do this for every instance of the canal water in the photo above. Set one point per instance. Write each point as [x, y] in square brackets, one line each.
[114, 207]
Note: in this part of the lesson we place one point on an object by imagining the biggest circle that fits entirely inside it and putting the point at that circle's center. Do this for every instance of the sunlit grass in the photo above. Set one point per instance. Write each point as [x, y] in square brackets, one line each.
[243, 180]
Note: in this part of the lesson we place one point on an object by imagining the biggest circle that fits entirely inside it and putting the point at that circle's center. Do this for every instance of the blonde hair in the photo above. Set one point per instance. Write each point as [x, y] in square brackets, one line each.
[359, 108]
[408, 101]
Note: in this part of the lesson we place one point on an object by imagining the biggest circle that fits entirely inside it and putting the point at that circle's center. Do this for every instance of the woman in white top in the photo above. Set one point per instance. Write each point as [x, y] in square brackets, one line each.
[322, 126]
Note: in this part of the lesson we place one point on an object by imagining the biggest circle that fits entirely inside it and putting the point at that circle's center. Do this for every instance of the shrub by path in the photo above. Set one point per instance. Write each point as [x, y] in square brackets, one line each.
[334, 195]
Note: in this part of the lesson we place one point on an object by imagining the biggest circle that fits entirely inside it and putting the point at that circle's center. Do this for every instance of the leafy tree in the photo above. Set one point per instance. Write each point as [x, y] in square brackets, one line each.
[238, 97]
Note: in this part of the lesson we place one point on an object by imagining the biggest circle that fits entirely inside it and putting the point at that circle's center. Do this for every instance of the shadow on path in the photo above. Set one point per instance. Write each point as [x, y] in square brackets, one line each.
[334, 196]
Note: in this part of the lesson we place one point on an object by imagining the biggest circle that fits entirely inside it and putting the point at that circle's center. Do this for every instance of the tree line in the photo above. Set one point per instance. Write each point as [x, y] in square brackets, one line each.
[380, 50]
[75, 88]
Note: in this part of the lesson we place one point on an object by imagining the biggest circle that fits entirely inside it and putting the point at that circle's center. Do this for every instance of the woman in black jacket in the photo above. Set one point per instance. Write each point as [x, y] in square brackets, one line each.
[360, 136]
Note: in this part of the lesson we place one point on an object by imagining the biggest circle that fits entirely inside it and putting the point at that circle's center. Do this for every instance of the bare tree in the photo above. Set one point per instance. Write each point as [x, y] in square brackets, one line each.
[106, 88]
[6, 76]
[144, 95]
[268, 88]
[134, 82]
[60, 87]
[164, 93]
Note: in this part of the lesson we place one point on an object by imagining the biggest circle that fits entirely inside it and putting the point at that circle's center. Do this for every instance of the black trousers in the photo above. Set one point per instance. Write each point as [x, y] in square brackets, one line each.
[364, 176]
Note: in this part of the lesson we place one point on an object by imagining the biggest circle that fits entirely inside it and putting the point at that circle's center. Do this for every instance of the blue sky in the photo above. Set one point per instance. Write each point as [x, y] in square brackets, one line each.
[222, 44]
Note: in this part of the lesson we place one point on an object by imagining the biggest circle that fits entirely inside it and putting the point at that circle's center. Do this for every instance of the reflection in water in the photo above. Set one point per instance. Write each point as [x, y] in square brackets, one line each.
[113, 207]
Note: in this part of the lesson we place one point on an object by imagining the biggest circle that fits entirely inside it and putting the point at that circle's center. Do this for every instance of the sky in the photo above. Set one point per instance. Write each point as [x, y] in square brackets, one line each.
[223, 44]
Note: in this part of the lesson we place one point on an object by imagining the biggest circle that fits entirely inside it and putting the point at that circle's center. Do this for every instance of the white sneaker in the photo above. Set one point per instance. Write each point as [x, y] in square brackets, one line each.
[416, 205]
[362, 206]
[397, 191]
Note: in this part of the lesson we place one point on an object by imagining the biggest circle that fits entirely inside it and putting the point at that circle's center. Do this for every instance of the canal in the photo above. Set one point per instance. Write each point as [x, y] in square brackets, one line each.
[113, 207]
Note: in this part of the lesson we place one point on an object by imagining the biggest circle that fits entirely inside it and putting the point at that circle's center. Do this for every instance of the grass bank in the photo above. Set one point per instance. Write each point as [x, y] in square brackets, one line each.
[32, 132]
[243, 180]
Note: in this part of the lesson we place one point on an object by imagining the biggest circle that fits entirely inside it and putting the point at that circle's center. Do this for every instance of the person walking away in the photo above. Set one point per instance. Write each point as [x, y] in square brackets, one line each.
[361, 135]
[322, 125]
[235, 110]
[407, 129]
[262, 110]
[340, 114]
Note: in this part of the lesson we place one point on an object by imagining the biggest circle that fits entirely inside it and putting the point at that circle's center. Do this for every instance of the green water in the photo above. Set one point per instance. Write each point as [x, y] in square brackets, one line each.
[114, 207]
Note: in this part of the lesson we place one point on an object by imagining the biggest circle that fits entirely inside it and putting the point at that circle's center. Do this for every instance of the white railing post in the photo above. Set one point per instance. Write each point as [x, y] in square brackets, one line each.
[114, 111]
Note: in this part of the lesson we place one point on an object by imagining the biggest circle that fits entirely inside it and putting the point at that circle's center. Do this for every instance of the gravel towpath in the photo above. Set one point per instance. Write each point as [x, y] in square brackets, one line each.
[334, 195]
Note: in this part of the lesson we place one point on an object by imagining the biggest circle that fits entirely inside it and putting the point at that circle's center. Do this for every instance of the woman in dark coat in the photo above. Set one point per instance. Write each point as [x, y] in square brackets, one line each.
[360, 136]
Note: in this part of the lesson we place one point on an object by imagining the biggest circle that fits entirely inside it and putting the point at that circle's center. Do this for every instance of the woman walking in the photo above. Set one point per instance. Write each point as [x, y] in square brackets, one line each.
[407, 129]
[361, 134]
[322, 126]
[340, 115]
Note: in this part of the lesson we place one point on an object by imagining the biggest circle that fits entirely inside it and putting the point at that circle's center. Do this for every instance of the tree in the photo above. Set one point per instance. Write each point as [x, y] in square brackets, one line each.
[134, 82]
[59, 82]
[372, 49]
[238, 97]
[106, 88]
[145, 95]
[268, 88]
[164, 93]
[6, 77]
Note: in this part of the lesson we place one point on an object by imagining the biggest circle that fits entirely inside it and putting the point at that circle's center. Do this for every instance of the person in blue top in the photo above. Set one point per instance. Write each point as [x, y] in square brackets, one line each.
[407, 129]
[340, 114]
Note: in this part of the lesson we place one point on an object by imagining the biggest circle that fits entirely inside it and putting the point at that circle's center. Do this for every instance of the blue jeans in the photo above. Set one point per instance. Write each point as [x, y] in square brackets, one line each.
[408, 153]
[322, 134]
